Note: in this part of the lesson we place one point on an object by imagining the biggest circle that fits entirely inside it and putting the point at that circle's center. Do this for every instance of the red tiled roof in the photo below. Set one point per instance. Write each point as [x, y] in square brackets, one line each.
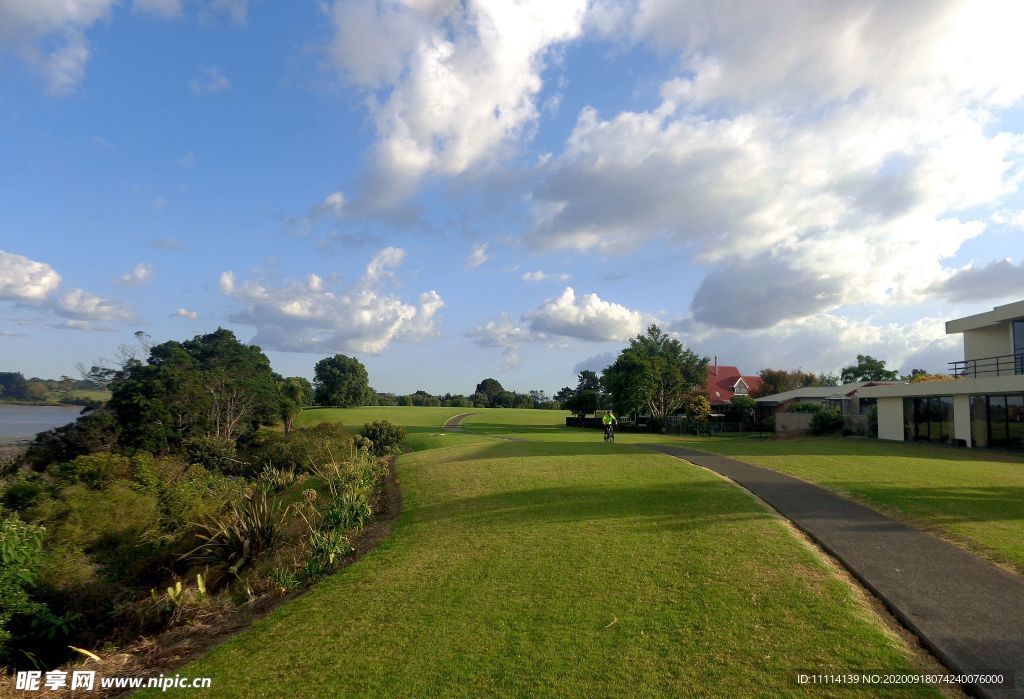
[722, 381]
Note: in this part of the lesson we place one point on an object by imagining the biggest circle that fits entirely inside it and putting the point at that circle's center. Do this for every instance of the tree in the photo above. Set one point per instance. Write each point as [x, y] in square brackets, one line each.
[13, 384]
[780, 380]
[296, 393]
[211, 385]
[697, 409]
[741, 409]
[341, 381]
[868, 368]
[655, 372]
[490, 388]
[35, 390]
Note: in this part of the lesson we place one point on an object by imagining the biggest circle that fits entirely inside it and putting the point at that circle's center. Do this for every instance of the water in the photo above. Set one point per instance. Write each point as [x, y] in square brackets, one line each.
[23, 421]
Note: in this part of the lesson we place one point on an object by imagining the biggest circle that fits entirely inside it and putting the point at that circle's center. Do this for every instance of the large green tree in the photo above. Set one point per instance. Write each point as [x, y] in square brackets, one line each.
[868, 368]
[211, 385]
[655, 372]
[341, 381]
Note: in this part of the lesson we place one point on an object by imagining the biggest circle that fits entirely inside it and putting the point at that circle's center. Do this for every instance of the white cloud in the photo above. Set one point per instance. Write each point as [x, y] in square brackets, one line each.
[50, 36]
[140, 274]
[185, 313]
[453, 84]
[586, 317]
[187, 161]
[1014, 219]
[81, 305]
[540, 276]
[168, 9]
[308, 317]
[477, 257]
[22, 279]
[235, 11]
[825, 342]
[159, 203]
[211, 82]
[812, 159]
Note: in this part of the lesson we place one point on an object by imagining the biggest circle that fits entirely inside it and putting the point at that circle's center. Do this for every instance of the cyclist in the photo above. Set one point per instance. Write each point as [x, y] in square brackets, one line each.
[609, 426]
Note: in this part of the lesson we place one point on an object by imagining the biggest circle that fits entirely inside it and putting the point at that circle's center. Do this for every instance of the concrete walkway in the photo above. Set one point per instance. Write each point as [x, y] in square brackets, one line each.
[967, 611]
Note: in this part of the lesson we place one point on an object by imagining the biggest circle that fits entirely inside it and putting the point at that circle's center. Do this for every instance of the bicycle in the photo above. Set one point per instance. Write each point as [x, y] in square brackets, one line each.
[609, 433]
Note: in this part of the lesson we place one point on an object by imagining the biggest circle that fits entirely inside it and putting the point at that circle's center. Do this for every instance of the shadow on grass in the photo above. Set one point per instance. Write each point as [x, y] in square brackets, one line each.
[944, 506]
[679, 506]
[526, 450]
[840, 446]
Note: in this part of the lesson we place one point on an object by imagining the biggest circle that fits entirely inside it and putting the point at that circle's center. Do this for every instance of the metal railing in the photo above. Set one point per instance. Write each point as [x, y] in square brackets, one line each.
[1003, 365]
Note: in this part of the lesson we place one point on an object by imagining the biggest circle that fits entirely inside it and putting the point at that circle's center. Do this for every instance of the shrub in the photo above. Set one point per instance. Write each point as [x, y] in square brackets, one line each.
[95, 471]
[805, 408]
[350, 509]
[212, 452]
[21, 555]
[22, 493]
[306, 446]
[326, 549]
[386, 437]
[241, 536]
[826, 422]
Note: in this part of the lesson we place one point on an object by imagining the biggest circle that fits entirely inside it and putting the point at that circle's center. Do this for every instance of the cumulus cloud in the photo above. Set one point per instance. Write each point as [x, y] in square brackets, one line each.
[34, 285]
[452, 84]
[49, 35]
[80, 305]
[22, 279]
[586, 317]
[477, 257]
[185, 313]
[597, 362]
[211, 82]
[996, 280]
[825, 342]
[540, 276]
[791, 140]
[140, 274]
[506, 334]
[308, 317]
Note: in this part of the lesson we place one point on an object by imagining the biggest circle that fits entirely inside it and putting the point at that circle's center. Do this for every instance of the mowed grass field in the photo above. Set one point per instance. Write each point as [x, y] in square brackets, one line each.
[557, 565]
[971, 497]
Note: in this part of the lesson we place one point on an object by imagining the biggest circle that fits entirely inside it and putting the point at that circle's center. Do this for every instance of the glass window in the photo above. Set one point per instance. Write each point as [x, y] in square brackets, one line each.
[1015, 422]
[997, 421]
[1018, 346]
[928, 419]
[979, 421]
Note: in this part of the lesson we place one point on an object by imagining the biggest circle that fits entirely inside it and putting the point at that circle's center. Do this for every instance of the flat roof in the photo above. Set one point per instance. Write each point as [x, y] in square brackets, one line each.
[999, 314]
[818, 392]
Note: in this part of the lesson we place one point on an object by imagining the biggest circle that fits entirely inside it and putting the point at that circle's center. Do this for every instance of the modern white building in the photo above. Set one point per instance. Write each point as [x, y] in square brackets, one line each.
[983, 406]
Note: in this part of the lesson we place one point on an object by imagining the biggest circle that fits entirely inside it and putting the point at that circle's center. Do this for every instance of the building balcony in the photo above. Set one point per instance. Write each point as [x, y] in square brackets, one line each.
[1002, 365]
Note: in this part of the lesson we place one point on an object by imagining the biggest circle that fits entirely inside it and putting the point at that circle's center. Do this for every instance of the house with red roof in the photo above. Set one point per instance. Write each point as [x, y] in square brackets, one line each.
[726, 381]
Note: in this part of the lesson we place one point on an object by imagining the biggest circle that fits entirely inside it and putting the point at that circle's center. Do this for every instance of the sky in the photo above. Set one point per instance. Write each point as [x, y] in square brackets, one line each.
[453, 190]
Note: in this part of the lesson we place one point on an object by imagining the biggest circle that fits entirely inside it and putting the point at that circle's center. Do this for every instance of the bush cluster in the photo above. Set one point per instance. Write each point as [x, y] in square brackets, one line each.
[385, 437]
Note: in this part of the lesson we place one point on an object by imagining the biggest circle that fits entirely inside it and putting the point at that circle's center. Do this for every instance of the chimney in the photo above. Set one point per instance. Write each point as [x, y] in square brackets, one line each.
[716, 365]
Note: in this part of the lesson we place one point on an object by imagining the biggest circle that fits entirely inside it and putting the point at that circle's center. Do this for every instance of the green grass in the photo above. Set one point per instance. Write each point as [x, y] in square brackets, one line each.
[563, 567]
[972, 497]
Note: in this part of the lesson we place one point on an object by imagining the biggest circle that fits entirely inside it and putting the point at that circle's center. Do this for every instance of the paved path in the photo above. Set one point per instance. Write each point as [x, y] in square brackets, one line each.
[967, 611]
[453, 424]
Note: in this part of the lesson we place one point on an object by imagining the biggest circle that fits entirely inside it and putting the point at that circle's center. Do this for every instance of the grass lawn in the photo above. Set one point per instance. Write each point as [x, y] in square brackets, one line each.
[974, 498]
[564, 567]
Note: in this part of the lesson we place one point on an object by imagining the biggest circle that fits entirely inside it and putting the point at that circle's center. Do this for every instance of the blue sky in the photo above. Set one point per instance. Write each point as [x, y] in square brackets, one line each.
[454, 190]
